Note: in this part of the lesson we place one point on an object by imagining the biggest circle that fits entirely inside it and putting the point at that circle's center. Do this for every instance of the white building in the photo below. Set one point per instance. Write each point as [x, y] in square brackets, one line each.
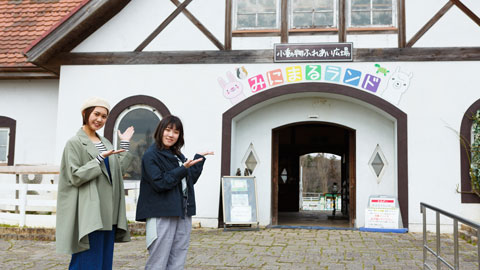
[410, 84]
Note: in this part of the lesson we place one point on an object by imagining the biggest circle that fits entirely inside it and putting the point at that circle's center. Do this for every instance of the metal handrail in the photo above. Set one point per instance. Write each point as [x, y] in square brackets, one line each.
[437, 254]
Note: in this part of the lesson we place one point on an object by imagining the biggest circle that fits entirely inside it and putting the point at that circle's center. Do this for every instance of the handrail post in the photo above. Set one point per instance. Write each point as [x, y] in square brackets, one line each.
[439, 266]
[424, 213]
[455, 244]
[478, 245]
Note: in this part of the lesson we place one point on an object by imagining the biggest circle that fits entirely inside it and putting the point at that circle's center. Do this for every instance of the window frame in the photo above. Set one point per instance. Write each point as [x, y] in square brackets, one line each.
[371, 10]
[335, 18]
[465, 154]
[367, 29]
[10, 124]
[235, 19]
[6, 145]
[126, 111]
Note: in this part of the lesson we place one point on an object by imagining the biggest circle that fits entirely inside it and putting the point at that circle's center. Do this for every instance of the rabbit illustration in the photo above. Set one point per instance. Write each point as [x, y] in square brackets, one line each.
[232, 89]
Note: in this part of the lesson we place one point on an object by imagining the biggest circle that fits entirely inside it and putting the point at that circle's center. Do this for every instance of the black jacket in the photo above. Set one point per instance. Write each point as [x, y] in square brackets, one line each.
[161, 185]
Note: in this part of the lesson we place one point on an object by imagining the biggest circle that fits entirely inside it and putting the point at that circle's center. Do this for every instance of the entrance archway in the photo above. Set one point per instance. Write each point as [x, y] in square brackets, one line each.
[359, 96]
[292, 141]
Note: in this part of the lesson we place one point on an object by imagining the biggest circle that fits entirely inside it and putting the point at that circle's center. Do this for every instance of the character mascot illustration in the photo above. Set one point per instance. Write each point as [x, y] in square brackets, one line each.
[397, 86]
[233, 89]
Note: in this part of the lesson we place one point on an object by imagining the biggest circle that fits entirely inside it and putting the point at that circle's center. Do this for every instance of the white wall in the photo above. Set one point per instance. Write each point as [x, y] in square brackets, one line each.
[33, 104]
[371, 129]
[133, 24]
[435, 102]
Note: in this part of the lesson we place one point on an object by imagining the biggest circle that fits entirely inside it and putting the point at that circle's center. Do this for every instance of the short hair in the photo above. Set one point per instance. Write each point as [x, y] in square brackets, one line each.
[171, 121]
[86, 113]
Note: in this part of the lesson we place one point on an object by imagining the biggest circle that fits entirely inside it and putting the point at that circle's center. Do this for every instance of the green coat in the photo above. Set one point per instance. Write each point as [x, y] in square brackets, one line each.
[86, 199]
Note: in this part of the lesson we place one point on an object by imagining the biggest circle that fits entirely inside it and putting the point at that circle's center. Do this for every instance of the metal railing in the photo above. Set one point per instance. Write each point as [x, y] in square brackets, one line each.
[437, 254]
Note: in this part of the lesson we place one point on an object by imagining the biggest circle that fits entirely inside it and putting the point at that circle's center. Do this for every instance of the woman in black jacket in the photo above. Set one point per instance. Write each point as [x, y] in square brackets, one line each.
[167, 196]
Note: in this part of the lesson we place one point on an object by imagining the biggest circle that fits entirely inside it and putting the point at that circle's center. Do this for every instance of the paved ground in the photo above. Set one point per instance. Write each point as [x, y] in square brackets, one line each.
[265, 249]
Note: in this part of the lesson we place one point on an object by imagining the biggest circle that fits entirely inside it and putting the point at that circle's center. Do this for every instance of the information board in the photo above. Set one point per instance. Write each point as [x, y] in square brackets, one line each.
[239, 195]
[383, 212]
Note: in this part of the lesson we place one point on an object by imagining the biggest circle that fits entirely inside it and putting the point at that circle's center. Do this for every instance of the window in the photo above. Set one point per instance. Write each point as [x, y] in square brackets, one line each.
[257, 14]
[145, 120]
[144, 114]
[368, 13]
[7, 140]
[313, 13]
[4, 138]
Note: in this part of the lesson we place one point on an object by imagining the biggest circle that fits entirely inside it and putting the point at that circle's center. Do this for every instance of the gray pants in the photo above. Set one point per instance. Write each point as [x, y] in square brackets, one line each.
[169, 250]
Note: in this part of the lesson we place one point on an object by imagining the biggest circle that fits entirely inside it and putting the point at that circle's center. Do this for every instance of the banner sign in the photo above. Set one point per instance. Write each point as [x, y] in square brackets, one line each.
[313, 52]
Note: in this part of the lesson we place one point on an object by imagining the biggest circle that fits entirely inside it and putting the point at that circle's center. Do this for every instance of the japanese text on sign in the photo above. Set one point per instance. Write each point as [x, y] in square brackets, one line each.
[313, 52]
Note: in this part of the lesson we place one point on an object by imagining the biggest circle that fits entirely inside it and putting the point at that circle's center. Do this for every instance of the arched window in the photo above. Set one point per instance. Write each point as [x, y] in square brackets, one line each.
[7, 140]
[143, 113]
[465, 154]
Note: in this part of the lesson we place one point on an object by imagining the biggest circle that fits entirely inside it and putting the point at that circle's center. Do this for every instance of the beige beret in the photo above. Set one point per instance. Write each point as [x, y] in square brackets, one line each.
[95, 102]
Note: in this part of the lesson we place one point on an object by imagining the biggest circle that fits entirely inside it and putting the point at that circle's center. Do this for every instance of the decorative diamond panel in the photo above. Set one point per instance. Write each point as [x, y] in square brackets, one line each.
[378, 163]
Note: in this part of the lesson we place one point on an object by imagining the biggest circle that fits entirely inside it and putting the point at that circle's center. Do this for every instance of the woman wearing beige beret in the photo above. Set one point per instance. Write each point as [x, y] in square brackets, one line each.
[91, 213]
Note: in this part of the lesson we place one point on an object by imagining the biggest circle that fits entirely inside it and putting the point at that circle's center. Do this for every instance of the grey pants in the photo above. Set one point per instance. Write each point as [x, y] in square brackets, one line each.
[169, 250]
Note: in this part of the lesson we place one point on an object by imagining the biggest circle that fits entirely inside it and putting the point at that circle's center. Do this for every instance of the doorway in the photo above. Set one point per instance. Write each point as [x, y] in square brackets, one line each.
[293, 146]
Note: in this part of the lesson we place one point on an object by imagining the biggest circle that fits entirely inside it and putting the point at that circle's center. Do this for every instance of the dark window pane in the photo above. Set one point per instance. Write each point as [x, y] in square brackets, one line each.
[360, 18]
[267, 6]
[382, 4]
[302, 20]
[145, 122]
[382, 18]
[360, 4]
[323, 5]
[3, 154]
[323, 19]
[246, 6]
[302, 5]
[245, 21]
[267, 20]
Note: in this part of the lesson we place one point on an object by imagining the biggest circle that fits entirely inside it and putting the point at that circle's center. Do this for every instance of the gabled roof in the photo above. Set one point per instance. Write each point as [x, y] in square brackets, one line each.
[22, 22]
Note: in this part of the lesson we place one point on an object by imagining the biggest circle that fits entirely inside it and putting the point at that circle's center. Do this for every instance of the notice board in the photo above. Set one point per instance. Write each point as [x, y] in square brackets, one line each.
[239, 194]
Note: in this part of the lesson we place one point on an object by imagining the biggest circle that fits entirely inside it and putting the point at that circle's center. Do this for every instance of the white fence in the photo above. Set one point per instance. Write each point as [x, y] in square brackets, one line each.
[29, 195]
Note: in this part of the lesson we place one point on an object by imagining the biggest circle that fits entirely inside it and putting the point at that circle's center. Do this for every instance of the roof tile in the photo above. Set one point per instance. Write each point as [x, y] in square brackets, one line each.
[24, 21]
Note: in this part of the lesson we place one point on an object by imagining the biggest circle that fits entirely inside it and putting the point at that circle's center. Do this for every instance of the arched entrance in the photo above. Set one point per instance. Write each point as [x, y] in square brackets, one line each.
[355, 96]
[296, 183]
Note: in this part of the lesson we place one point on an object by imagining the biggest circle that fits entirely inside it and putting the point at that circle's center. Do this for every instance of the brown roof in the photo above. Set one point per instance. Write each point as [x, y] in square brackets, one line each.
[25, 22]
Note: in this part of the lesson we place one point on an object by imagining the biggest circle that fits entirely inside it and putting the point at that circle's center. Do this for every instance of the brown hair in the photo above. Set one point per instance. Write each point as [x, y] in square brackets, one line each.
[172, 122]
[86, 113]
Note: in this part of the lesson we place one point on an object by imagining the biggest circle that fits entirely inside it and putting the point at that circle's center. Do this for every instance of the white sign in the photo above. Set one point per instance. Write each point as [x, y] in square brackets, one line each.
[382, 218]
[382, 202]
[241, 213]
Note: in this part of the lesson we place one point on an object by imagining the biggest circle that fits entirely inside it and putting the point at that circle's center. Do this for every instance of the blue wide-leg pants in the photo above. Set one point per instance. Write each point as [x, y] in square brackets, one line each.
[100, 254]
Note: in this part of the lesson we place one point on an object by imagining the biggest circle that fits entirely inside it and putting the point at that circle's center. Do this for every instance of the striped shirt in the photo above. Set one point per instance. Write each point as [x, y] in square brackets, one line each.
[102, 148]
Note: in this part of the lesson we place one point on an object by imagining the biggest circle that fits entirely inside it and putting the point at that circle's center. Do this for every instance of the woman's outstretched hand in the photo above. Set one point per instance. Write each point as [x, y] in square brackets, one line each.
[127, 135]
[206, 153]
[111, 152]
[189, 163]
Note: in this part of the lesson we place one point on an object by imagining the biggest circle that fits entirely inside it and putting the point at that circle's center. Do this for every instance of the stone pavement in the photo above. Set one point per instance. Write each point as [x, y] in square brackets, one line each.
[264, 249]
